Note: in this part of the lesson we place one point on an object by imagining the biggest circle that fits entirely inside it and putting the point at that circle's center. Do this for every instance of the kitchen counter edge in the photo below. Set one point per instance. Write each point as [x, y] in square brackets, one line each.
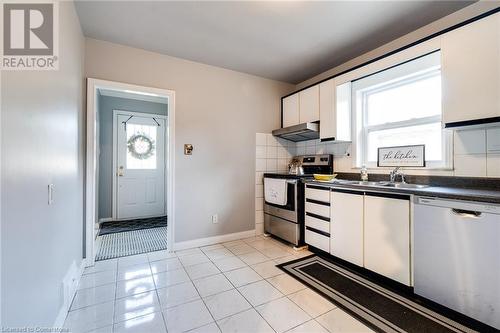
[477, 195]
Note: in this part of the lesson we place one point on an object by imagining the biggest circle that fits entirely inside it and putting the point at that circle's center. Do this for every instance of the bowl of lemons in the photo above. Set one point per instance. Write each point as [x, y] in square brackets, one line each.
[324, 178]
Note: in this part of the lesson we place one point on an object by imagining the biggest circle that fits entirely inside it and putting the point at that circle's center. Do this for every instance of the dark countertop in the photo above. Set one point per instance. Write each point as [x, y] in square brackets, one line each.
[457, 193]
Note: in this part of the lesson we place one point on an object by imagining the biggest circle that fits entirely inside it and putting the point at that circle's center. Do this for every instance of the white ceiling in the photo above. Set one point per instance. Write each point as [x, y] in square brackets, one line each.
[282, 40]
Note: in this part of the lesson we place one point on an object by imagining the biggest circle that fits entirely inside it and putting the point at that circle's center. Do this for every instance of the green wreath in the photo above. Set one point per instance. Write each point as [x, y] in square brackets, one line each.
[141, 146]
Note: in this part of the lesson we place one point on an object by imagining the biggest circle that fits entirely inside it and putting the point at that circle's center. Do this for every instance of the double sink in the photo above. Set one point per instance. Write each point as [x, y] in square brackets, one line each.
[382, 184]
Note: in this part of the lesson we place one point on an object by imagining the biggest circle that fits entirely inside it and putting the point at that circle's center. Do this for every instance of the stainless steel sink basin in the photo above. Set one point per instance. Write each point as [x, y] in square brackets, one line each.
[366, 183]
[403, 185]
[345, 182]
[379, 184]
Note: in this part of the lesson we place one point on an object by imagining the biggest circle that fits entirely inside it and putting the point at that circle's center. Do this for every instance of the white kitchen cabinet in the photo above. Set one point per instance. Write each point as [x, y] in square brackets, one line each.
[343, 110]
[317, 217]
[309, 104]
[291, 110]
[471, 71]
[335, 110]
[387, 236]
[327, 123]
[317, 240]
[346, 225]
[318, 194]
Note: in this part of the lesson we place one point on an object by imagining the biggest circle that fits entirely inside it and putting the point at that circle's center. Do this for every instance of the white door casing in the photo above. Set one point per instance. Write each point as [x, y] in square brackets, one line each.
[93, 86]
[139, 187]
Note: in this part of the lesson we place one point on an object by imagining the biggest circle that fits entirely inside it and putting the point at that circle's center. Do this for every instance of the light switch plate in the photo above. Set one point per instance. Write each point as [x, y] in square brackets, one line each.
[188, 149]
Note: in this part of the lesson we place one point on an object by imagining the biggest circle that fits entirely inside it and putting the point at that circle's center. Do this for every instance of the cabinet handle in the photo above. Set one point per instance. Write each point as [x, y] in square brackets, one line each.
[466, 213]
[318, 231]
[318, 202]
[319, 217]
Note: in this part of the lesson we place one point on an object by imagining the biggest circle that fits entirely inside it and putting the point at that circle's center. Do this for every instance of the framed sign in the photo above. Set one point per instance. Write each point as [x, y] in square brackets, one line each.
[401, 156]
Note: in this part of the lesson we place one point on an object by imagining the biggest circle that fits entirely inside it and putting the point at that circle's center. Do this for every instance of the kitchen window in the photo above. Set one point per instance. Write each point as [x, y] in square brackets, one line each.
[401, 106]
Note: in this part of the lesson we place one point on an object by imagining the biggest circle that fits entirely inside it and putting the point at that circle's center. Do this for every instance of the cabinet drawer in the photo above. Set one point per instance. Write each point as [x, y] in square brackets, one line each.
[316, 223]
[320, 195]
[318, 209]
[318, 240]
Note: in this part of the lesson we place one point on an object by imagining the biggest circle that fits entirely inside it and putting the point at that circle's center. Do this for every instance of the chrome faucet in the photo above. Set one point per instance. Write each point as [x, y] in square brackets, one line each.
[396, 172]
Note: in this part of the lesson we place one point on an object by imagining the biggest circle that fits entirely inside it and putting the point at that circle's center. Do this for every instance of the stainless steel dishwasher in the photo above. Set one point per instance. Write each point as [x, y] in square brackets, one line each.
[457, 256]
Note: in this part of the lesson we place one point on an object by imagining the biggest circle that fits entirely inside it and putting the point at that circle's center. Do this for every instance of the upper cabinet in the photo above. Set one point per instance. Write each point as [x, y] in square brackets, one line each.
[309, 104]
[471, 72]
[335, 110]
[302, 107]
[291, 110]
[327, 128]
[470, 82]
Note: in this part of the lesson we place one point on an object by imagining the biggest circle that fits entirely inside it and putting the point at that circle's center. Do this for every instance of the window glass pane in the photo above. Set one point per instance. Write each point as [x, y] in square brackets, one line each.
[412, 99]
[141, 146]
[428, 134]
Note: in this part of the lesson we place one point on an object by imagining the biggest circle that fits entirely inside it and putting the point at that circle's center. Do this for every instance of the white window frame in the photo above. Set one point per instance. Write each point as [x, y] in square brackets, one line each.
[362, 129]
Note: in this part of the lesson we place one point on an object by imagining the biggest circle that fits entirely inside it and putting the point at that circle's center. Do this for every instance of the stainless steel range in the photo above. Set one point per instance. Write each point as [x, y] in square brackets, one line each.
[286, 221]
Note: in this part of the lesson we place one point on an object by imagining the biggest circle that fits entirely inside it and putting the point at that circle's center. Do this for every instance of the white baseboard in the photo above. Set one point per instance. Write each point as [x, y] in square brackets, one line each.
[105, 219]
[212, 240]
[63, 311]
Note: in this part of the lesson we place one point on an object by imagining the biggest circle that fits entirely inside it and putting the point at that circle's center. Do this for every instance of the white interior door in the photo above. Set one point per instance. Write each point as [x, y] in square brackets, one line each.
[140, 161]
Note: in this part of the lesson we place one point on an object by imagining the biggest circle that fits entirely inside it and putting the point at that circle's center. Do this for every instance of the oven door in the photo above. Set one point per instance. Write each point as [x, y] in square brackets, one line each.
[288, 211]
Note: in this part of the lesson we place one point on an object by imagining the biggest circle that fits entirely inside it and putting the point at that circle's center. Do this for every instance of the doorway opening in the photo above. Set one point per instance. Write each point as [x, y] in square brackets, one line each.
[129, 170]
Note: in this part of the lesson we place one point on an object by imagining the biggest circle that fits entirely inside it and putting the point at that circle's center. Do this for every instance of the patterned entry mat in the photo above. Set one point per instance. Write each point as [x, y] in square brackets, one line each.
[129, 225]
[131, 242]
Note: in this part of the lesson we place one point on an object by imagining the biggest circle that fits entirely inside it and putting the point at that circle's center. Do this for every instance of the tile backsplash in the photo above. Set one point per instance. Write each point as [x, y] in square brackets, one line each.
[476, 154]
[271, 155]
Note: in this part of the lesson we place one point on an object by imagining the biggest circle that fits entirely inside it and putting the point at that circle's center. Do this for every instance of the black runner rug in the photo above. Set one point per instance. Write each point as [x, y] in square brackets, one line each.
[382, 309]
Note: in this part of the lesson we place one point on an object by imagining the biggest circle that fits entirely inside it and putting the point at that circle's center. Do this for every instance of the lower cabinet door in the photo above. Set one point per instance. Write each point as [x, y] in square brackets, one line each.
[317, 240]
[346, 226]
[387, 237]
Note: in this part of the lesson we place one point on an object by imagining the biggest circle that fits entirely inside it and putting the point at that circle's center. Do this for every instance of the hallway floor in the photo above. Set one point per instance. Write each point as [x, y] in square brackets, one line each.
[229, 287]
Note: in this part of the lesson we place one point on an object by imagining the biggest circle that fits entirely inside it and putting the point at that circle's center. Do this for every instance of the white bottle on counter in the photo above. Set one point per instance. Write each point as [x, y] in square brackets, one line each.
[364, 173]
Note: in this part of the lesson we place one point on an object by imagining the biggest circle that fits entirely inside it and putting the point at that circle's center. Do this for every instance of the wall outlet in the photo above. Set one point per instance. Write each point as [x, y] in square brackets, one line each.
[215, 218]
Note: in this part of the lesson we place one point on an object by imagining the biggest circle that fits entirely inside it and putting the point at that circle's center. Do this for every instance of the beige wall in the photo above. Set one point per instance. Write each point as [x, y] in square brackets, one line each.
[42, 143]
[218, 111]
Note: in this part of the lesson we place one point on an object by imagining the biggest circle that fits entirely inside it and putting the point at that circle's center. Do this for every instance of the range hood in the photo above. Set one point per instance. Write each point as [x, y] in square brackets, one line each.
[300, 132]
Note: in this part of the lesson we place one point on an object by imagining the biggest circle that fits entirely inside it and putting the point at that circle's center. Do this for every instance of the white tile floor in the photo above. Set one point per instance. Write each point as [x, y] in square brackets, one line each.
[229, 287]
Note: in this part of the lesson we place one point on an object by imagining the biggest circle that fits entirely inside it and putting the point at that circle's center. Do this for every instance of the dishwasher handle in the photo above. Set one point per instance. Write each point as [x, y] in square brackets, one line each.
[466, 213]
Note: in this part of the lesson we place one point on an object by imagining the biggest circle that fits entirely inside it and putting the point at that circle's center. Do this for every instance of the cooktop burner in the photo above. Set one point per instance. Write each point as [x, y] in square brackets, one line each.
[310, 164]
